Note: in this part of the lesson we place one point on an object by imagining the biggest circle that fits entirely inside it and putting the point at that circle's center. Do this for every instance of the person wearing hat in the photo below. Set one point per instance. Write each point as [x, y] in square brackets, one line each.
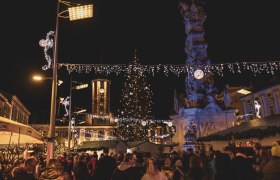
[271, 169]
[178, 173]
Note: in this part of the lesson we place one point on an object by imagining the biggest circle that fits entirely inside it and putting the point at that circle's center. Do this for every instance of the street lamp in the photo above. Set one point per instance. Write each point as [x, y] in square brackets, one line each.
[41, 78]
[82, 15]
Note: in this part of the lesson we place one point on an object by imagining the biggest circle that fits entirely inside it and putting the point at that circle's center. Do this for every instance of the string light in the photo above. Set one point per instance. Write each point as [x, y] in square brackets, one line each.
[256, 68]
[147, 121]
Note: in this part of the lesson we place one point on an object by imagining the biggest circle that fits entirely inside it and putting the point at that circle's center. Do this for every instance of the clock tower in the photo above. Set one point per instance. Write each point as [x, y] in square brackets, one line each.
[101, 97]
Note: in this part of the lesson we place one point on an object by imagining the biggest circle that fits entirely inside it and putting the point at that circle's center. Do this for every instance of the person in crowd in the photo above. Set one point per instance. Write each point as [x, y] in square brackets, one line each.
[167, 169]
[205, 160]
[70, 164]
[196, 171]
[106, 166]
[127, 169]
[93, 161]
[119, 158]
[75, 159]
[112, 154]
[265, 157]
[178, 172]
[152, 172]
[220, 166]
[228, 150]
[80, 170]
[30, 165]
[211, 153]
[38, 170]
[257, 157]
[101, 156]
[90, 170]
[19, 173]
[26, 171]
[174, 156]
[21, 163]
[271, 169]
[55, 171]
[1, 176]
[241, 166]
[186, 159]
[139, 164]
[95, 155]
[146, 156]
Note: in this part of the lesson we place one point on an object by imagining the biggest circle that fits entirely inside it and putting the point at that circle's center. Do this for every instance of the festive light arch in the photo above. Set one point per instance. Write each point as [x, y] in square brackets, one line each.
[176, 69]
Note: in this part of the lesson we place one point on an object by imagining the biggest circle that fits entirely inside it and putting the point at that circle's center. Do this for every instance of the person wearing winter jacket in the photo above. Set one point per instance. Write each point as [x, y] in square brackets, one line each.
[127, 169]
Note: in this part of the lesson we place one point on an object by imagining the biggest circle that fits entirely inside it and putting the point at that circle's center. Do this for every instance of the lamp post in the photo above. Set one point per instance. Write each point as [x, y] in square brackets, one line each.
[75, 13]
[81, 86]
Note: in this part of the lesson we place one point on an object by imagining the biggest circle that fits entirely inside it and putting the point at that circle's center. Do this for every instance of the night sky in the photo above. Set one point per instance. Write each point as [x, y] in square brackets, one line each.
[235, 31]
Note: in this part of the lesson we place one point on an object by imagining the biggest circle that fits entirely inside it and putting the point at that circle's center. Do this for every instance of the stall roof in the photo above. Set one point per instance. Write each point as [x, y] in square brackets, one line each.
[12, 132]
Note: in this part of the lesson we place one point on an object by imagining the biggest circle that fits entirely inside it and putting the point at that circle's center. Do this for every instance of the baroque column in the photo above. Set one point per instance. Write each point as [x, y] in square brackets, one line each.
[195, 48]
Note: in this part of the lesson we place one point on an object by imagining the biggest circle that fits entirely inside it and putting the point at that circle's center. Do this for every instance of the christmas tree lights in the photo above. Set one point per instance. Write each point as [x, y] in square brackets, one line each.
[136, 103]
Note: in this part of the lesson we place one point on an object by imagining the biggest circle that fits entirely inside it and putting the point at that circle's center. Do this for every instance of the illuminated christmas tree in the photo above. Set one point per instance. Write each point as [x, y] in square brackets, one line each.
[136, 105]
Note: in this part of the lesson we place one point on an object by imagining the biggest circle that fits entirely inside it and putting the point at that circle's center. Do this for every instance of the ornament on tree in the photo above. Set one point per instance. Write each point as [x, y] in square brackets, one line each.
[144, 123]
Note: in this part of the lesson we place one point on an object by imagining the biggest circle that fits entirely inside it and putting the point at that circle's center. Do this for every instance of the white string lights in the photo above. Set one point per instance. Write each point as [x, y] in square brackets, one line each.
[268, 67]
[144, 122]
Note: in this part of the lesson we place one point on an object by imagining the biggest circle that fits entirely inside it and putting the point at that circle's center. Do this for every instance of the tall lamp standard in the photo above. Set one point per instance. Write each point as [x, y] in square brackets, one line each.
[75, 12]
[81, 86]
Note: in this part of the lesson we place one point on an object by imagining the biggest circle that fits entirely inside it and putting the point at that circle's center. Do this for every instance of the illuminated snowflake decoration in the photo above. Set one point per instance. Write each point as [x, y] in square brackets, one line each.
[47, 44]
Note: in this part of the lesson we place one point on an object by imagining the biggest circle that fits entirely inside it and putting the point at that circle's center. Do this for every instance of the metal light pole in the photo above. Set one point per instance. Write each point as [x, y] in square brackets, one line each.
[70, 112]
[75, 13]
[51, 137]
[81, 86]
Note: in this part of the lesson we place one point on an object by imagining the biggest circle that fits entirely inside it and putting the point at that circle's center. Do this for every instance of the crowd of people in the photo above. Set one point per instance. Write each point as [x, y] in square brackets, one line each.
[230, 164]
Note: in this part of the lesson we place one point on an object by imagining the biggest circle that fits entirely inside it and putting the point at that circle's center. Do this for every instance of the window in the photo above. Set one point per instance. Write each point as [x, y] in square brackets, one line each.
[101, 135]
[270, 101]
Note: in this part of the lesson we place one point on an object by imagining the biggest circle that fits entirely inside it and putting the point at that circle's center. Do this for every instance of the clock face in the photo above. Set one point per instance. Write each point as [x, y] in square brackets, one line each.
[198, 74]
[101, 90]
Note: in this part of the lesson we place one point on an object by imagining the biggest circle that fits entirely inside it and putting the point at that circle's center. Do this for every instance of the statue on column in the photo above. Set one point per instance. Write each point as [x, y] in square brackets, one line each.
[227, 98]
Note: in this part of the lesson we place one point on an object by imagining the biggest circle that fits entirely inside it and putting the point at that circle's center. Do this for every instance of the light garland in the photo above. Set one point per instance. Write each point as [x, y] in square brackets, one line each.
[144, 122]
[176, 69]
[47, 44]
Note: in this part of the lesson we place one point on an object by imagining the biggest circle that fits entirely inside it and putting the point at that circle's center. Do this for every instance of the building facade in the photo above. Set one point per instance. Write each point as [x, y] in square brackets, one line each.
[12, 108]
[95, 126]
[268, 99]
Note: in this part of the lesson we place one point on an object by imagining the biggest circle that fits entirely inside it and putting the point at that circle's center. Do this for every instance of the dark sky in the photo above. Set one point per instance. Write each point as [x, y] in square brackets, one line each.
[235, 31]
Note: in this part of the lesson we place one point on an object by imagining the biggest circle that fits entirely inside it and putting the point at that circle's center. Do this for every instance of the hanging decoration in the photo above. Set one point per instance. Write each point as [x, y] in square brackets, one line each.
[47, 44]
[66, 103]
[256, 68]
[257, 108]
